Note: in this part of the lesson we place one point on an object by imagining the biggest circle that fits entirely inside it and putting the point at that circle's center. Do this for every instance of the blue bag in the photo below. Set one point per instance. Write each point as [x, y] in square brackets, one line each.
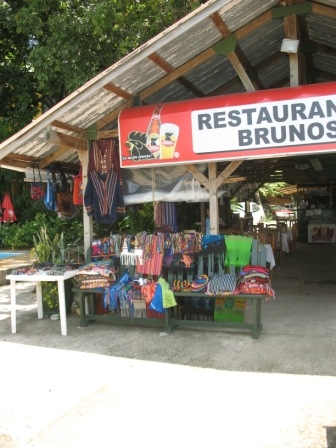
[49, 196]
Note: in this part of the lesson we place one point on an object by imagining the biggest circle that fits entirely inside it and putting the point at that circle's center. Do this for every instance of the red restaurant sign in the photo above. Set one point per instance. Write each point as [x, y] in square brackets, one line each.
[267, 123]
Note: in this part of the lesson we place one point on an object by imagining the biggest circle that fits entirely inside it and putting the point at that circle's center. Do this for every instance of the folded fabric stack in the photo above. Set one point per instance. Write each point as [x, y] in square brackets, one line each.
[221, 284]
[96, 275]
[254, 279]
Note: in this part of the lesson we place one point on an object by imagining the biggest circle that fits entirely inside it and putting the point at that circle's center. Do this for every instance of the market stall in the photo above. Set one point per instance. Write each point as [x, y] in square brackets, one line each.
[175, 280]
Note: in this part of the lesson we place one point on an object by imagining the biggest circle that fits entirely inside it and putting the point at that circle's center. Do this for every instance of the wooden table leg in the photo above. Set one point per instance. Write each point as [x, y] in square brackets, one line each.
[256, 324]
[13, 305]
[39, 300]
[62, 307]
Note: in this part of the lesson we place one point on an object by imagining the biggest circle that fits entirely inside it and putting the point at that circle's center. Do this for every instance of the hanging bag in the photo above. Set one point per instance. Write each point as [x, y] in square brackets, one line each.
[78, 188]
[50, 193]
[37, 188]
[64, 202]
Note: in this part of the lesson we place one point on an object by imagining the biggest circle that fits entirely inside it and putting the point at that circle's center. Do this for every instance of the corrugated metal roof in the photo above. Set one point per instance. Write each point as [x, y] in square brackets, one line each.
[191, 59]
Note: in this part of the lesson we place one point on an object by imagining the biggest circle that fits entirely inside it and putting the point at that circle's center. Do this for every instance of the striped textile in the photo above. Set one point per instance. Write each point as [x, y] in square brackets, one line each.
[166, 216]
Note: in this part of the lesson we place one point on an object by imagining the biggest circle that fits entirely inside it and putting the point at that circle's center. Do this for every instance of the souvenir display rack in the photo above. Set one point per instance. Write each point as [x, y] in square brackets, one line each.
[177, 259]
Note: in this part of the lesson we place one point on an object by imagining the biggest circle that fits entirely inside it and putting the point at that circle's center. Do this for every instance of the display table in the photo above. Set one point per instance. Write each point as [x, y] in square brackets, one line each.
[38, 279]
[170, 320]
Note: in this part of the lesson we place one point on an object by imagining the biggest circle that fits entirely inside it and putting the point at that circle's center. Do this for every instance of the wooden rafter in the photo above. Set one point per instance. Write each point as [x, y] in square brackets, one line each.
[237, 57]
[226, 173]
[164, 65]
[223, 177]
[113, 133]
[118, 91]
[67, 127]
[254, 25]
[292, 32]
[184, 68]
[68, 141]
[51, 158]
[324, 10]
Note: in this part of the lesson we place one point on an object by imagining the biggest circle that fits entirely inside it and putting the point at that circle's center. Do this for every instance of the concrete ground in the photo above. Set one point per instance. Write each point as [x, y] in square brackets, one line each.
[103, 385]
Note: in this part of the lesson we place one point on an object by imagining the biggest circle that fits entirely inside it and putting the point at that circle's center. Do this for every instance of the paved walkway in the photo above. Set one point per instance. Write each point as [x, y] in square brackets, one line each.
[104, 385]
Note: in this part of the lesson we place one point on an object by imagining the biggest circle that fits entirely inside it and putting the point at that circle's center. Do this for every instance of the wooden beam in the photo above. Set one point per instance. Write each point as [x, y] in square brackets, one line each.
[170, 77]
[291, 30]
[237, 58]
[197, 174]
[290, 9]
[164, 65]
[68, 141]
[254, 25]
[237, 65]
[184, 68]
[51, 158]
[113, 133]
[9, 162]
[15, 157]
[213, 199]
[233, 180]
[67, 127]
[118, 91]
[226, 173]
[324, 10]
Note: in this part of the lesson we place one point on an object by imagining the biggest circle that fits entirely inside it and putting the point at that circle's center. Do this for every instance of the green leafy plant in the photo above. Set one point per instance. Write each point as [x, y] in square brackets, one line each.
[138, 220]
[46, 249]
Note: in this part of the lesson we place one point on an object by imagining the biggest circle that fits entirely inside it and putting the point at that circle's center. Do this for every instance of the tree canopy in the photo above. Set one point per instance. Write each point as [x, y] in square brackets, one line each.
[49, 48]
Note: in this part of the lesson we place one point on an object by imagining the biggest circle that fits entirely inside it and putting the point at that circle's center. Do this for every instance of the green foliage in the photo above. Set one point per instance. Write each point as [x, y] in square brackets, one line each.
[20, 235]
[48, 249]
[56, 45]
[50, 296]
[272, 189]
[18, 89]
[138, 220]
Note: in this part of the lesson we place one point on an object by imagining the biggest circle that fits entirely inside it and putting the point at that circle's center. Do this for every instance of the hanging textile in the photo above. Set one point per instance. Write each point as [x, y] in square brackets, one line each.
[8, 214]
[37, 186]
[153, 247]
[166, 216]
[238, 250]
[103, 197]
[77, 193]
[104, 156]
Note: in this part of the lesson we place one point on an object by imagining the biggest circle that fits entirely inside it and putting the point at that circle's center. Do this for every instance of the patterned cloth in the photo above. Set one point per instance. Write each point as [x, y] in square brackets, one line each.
[221, 283]
[104, 157]
[254, 279]
[166, 216]
[103, 197]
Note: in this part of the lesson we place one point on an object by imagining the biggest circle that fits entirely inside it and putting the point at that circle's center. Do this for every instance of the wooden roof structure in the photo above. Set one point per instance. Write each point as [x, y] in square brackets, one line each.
[223, 47]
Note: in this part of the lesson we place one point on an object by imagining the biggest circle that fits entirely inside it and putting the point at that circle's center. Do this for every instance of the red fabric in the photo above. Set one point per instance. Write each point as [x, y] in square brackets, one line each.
[78, 196]
[8, 214]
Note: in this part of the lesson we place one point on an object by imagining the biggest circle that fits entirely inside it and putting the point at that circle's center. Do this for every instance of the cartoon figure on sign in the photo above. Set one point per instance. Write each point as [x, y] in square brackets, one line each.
[137, 146]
